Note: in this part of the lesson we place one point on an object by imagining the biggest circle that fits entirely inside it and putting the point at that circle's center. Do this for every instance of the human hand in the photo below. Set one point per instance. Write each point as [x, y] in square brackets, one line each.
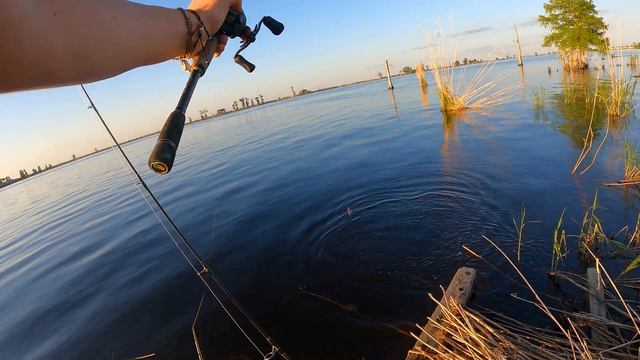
[213, 13]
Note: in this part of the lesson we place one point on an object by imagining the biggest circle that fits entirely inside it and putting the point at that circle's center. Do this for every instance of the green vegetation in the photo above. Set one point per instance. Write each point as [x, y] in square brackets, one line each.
[539, 98]
[619, 97]
[407, 70]
[519, 226]
[559, 243]
[575, 29]
[591, 237]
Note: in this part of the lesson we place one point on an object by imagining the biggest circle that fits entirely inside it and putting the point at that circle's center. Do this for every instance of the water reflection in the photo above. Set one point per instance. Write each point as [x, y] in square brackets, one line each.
[574, 107]
[394, 102]
[424, 97]
[523, 78]
[450, 131]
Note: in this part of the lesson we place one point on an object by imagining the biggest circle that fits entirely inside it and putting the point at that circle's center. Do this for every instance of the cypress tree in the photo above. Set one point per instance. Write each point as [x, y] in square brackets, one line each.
[576, 29]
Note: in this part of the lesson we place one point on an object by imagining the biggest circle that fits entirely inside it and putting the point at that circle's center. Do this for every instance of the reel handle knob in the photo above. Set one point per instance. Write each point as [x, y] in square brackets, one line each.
[164, 153]
[240, 60]
[274, 25]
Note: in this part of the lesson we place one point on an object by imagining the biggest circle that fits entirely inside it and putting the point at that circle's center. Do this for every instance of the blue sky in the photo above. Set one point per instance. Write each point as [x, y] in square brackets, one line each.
[325, 43]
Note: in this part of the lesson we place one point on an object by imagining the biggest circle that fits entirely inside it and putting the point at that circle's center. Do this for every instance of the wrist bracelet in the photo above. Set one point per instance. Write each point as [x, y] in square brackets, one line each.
[200, 21]
[188, 49]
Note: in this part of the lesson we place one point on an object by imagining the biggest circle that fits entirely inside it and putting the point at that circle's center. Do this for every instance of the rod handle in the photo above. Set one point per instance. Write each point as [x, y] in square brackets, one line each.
[164, 153]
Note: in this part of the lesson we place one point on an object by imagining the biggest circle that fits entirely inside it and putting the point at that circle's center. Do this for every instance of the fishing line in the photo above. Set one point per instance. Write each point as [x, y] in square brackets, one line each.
[168, 224]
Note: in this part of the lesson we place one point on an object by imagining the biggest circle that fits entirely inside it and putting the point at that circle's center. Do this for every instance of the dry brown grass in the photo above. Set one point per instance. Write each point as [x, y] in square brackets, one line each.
[487, 335]
[455, 92]
[570, 334]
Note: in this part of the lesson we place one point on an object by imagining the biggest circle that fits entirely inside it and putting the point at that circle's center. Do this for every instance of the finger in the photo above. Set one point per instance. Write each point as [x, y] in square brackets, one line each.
[222, 44]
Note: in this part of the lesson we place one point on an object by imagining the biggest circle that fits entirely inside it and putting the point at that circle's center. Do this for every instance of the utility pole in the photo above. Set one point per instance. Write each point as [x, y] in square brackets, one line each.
[520, 61]
[389, 82]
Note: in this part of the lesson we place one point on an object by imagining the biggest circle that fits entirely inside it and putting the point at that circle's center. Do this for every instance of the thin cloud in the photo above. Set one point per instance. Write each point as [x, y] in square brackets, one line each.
[477, 30]
[472, 31]
[529, 23]
[423, 47]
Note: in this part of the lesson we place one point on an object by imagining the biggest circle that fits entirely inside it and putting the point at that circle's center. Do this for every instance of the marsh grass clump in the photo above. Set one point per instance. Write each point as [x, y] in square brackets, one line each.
[634, 61]
[539, 98]
[456, 93]
[618, 95]
[620, 91]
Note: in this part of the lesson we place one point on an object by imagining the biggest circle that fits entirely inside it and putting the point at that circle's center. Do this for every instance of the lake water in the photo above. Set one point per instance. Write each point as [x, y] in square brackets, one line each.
[360, 195]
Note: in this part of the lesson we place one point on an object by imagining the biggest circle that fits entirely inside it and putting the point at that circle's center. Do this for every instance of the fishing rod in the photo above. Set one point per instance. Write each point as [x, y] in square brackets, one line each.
[161, 161]
[235, 25]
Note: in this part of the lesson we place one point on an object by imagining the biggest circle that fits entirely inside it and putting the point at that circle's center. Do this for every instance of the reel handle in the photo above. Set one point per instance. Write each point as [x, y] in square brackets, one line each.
[164, 152]
[248, 66]
[274, 25]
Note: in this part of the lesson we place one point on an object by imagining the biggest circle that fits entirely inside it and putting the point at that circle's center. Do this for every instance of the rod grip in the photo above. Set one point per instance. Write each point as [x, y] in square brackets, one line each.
[164, 153]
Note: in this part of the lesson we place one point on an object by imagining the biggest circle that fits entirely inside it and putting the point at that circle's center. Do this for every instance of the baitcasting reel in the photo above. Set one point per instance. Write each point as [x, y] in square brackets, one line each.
[235, 25]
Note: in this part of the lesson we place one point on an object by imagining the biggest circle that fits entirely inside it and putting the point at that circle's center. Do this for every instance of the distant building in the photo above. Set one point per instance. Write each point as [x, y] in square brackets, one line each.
[221, 111]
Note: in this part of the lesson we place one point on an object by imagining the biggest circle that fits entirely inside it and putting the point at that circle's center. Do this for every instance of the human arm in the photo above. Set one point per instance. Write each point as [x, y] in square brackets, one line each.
[48, 43]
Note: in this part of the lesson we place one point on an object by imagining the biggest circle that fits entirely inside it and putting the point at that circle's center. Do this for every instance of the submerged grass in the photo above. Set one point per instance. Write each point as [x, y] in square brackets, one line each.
[634, 60]
[455, 93]
[539, 98]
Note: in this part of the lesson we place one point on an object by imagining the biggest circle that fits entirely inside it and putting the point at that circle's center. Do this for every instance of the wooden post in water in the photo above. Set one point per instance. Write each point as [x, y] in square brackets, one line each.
[597, 306]
[520, 60]
[460, 290]
[421, 76]
[389, 82]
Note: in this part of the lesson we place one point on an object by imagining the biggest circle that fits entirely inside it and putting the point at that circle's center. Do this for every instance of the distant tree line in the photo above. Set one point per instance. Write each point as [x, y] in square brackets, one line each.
[247, 103]
[5, 181]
